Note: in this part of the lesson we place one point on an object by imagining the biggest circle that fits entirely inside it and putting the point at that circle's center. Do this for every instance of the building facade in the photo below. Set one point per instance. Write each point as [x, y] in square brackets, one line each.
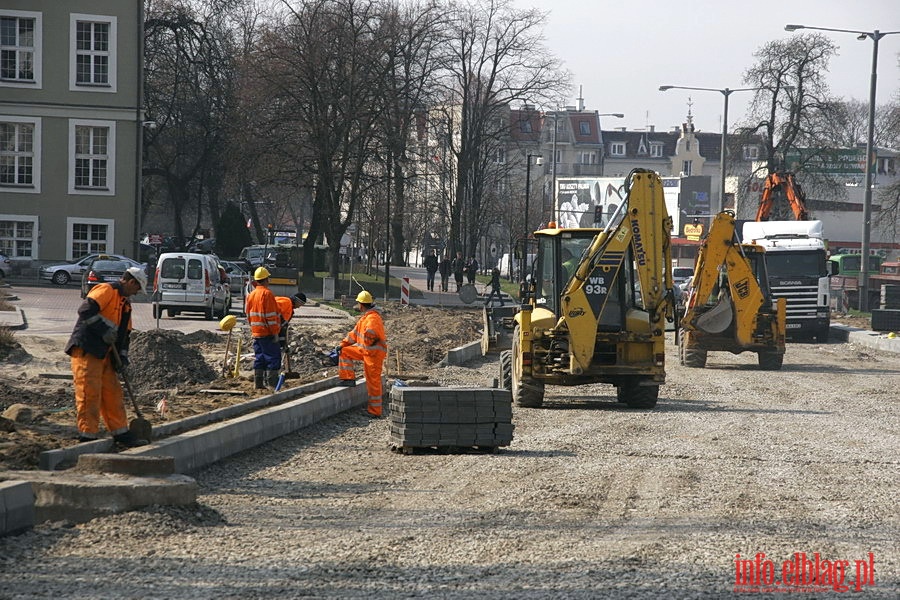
[70, 124]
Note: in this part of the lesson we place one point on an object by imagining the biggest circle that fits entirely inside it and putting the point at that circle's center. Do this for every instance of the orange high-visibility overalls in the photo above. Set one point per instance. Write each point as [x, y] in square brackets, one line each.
[367, 343]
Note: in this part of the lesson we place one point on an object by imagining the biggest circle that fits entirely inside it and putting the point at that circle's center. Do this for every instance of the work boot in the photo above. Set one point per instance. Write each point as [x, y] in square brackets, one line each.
[259, 379]
[129, 439]
[271, 379]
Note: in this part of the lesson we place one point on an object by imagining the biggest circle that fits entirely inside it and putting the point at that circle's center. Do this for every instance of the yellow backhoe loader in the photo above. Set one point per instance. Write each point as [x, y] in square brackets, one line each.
[597, 304]
[730, 307]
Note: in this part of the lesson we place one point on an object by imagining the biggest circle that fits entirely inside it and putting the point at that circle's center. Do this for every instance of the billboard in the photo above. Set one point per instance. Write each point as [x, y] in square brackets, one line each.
[835, 161]
[592, 201]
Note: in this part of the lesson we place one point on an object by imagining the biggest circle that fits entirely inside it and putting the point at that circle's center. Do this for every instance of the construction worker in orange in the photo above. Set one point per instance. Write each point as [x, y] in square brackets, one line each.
[104, 327]
[265, 325]
[367, 343]
[286, 307]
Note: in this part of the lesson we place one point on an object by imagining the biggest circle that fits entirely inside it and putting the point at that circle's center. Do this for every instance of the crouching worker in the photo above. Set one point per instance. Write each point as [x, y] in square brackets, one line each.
[367, 343]
[286, 307]
[103, 328]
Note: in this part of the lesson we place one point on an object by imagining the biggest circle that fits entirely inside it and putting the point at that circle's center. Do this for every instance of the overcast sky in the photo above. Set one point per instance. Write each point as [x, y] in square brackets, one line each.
[621, 52]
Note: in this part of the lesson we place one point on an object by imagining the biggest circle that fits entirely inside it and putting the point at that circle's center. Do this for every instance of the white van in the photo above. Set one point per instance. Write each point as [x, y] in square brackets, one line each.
[190, 282]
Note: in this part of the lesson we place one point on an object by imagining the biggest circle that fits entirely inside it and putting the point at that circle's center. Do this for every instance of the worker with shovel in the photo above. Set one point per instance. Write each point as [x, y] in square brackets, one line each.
[103, 328]
[367, 343]
[286, 307]
[265, 324]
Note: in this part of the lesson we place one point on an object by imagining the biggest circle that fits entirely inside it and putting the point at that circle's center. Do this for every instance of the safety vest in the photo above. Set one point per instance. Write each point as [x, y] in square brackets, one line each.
[262, 313]
[368, 333]
[285, 307]
[104, 307]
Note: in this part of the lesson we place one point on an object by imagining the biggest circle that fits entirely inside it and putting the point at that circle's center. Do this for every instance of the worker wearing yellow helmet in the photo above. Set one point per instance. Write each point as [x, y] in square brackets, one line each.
[265, 324]
[367, 343]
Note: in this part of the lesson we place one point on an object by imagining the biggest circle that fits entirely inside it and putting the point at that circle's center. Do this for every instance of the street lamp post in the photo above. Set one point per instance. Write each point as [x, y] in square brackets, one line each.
[870, 148]
[527, 202]
[726, 92]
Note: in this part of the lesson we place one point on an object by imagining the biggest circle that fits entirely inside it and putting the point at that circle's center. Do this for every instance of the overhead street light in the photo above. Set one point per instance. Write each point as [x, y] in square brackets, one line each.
[726, 92]
[870, 149]
[528, 158]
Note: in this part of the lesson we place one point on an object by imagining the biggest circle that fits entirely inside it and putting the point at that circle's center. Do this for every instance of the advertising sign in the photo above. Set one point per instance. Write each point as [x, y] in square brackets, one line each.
[836, 161]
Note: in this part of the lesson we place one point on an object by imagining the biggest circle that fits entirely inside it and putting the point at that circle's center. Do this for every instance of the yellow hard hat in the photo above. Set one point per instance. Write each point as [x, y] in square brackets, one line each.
[228, 323]
[260, 273]
[365, 297]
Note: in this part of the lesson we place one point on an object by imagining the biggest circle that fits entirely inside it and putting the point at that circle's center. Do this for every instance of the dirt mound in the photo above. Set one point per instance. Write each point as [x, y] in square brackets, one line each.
[162, 359]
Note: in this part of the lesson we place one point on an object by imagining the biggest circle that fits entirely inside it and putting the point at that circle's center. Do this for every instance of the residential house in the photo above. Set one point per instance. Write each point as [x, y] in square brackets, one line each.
[70, 85]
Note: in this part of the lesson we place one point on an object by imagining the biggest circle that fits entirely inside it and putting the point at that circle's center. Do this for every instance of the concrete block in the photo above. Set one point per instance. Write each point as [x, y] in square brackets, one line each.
[17, 511]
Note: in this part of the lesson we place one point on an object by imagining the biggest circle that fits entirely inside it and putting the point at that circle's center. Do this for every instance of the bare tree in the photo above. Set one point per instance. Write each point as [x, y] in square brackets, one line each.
[496, 57]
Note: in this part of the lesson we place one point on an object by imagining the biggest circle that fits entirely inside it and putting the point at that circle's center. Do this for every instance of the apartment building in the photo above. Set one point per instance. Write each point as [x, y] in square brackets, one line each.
[70, 121]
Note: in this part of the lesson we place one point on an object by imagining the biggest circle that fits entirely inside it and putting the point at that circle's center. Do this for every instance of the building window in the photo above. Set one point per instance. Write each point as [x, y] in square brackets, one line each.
[588, 158]
[92, 157]
[501, 156]
[751, 152]
[656, 150]
[686, 168]
[525, 126]
[20, 154]
[585, 127]
[558, 156]
[92, 59]
[18, 236]
[89, 236]
[20, 48]
[617, 149]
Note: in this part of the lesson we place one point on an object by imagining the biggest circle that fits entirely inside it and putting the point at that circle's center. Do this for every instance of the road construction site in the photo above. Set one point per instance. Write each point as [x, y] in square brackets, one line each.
[590, 499]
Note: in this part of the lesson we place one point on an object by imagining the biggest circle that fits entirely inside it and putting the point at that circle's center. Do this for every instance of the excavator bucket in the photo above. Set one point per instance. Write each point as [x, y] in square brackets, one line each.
[718, 318]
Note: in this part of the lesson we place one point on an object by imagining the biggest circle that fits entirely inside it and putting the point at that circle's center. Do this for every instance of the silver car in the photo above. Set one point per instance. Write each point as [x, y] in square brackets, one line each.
[63, 273]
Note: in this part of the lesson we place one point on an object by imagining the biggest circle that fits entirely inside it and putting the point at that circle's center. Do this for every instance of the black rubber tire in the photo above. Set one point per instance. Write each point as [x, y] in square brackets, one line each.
[770, 361]
[823, 334]
[693, 357]
[634, 395]
[171, 312]
[506, 370]
[61, 277]
[526, 392]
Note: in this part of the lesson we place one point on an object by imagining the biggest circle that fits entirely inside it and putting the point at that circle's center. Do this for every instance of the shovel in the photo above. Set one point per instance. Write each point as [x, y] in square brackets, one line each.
[139, 426]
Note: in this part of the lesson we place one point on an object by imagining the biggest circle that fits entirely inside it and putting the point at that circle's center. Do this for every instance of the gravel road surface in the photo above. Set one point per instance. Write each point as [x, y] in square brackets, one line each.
[591, 500]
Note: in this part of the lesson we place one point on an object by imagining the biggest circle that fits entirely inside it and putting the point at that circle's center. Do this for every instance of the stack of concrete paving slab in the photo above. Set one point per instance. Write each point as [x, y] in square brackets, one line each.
[434, 417]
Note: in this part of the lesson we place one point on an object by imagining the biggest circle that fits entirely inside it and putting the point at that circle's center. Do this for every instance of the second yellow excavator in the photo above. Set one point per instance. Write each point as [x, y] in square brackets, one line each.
[730, 307]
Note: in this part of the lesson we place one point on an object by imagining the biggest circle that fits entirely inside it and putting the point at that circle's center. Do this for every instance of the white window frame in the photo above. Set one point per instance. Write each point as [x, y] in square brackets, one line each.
[500, 157]
[33, 219]
[617, 148]
[37, 50]
[751, 152]
[656, 150]
[687, 168]
[110, 188]
[588, 158]
[35, 186]
[112, 53]
[109, 241]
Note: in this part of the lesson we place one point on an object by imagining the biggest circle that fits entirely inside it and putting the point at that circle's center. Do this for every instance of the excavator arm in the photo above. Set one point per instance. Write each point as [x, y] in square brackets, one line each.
[725, 289]
[644, 227]
[778, 184]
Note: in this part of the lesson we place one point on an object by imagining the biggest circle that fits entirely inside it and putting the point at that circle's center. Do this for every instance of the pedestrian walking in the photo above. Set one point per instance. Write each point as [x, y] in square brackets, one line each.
[265, 324]
[104, 327]
[472, 269]
[367, 343]
[458, 267]
[495, 287]
[444, 269]
[431, 267]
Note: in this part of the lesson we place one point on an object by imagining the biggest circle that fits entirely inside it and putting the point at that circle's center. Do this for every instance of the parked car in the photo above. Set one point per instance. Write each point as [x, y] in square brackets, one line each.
[190, 282]
[681, 274]
[103, 270]
[63, 273]
[239, 277]
[5, 266]
[204, 246]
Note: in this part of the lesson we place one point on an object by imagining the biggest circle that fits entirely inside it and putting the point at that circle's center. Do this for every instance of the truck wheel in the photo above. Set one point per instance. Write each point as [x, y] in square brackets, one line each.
[171, 312]
[506, 370]
[823, 333]
[637, 396]
[526, 392]
[770, 361]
